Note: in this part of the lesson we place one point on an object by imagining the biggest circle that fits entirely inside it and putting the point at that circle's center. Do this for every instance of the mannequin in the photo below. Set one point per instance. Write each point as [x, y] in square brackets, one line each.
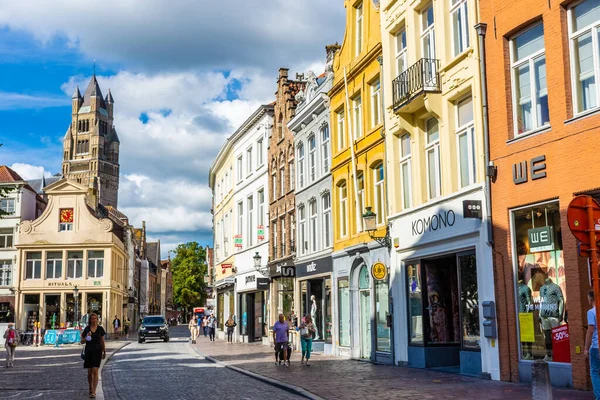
[313, 313]
[525, 306]
[552, 304]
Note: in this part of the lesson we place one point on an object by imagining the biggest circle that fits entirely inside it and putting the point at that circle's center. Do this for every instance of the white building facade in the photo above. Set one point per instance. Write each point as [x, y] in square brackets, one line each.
[314, 230]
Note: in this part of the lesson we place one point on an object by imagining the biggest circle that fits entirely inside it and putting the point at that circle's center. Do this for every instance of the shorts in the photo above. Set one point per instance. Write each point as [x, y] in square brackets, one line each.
[279, 346]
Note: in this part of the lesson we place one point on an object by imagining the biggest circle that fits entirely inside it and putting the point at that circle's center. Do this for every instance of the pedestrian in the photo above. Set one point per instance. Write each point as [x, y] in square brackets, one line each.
[95, 351]
[10, 343]
[116, 326]
[230, 324]
[591, 346]
[307, 330]
[280, 337]
[126, 326]
[205, 325]
[212, 327]
[193, 325]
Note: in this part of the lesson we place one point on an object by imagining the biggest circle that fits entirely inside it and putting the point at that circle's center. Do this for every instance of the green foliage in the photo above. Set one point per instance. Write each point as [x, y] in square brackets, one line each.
[189, 267]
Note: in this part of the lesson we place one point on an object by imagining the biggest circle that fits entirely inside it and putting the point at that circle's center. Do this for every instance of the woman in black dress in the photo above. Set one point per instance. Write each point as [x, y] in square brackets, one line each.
[95, 351]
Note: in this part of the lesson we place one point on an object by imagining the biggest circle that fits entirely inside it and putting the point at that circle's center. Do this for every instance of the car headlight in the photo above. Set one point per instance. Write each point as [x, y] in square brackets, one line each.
[142, 327]
[164, 327]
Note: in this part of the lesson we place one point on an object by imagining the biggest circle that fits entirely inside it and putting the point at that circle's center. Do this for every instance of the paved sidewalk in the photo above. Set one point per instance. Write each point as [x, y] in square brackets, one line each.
[333, 378]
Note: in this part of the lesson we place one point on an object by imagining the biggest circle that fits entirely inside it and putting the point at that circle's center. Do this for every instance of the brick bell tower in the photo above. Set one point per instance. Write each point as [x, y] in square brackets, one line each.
[91, 144]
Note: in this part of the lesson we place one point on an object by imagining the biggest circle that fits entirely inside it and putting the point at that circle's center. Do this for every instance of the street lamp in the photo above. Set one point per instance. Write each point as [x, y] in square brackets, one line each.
[370, 220]
[257, 259]
[76, 295]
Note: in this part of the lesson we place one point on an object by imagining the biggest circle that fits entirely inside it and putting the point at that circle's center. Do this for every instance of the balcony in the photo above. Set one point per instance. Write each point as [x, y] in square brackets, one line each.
[421, 77]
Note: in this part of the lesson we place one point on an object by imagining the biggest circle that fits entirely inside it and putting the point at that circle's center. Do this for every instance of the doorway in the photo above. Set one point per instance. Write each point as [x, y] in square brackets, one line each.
[364, 295]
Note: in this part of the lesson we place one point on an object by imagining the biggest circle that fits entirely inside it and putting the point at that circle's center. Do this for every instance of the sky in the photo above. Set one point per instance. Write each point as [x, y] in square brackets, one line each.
[184, 75]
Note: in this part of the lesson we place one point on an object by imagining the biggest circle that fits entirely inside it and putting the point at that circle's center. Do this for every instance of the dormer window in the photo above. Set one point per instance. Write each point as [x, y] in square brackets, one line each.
[66, 219]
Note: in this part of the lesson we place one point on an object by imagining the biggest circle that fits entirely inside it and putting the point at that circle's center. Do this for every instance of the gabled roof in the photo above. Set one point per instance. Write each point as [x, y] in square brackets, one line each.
[153, 249]
[93, 90]
[8, 175]
[38, 185]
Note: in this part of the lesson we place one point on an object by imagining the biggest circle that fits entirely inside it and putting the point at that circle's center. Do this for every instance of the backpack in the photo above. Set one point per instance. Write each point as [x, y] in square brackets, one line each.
[12, 338]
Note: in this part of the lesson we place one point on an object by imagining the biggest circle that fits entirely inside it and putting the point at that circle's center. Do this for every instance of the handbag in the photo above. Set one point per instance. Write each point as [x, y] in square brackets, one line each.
[83, 353]
[304, 331]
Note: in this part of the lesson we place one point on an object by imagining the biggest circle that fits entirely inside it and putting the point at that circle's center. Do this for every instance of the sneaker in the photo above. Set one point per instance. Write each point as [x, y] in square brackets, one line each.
[287, 363]
[276, 364]
[307, 364]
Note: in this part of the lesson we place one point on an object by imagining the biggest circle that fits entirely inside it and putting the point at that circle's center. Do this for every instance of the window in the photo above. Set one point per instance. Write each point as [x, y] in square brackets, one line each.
[360, 186]
[327, 219]
[249, 166]
[33, 266]
[5, 273]
[313, 225]
[584, 30]
[541, 281]
[261, 207]
[54, 265]
[226, 233]
[302, 230]
[275, 241]
[343, 215]
[312, 158]
[341, 130]
[6, 238]
[325, 147]
[432, 155]
[465, 142]
[282, 179]
[344, 312]
[293, 232]
[7, 206]
[382, 307]
[415, 303]
[66, 219]
[75, 265]
[401, 53]
[375, 103]
[95, 264]
[530, 92]
[240, 227]
[379, 194]
[291, 172]
[405, 171]
[357, 106]
[300, 166]
[283, 232]
[358, 12]
[427, 33]
[460, 26]
[250, 225]
[240, 172]
[274, 185]
[259, 153]
[280, 126]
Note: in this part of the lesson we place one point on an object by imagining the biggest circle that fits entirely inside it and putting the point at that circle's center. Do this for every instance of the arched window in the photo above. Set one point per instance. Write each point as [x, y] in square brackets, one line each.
[302, 229]
[326, 202]
[312, 208]
[300, 165]
[312, 157]
[405, 171]
[379, 193]
[325, 148]
[360, 209]
[343, 211]
[363, 278]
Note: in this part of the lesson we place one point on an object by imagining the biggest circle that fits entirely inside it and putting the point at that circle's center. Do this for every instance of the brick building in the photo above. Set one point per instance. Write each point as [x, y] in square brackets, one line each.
[282, 247]
[541, 69]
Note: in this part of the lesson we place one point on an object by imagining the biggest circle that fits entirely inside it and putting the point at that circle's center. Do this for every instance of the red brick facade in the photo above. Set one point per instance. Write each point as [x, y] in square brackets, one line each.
[571, 148]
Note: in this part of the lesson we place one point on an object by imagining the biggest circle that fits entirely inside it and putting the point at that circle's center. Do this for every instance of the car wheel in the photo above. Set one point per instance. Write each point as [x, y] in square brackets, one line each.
[140, 340]
[166, 339]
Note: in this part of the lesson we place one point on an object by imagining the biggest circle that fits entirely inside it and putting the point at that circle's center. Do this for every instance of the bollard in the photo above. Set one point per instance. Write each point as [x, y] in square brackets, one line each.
[541, 389]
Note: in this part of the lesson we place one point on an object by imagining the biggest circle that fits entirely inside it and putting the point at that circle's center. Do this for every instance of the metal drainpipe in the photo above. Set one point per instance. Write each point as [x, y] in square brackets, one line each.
[489, 166]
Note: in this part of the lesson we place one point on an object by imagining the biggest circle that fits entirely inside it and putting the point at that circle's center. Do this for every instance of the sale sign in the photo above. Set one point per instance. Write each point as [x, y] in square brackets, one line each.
[561, 351]
[261, 232]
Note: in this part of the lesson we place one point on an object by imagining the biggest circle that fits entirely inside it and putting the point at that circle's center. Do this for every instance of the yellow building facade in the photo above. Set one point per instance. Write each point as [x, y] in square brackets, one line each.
[358, 175]
[441, 263]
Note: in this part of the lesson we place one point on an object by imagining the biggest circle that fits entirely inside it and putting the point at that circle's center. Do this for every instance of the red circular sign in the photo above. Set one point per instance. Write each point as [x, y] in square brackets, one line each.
[578, 220]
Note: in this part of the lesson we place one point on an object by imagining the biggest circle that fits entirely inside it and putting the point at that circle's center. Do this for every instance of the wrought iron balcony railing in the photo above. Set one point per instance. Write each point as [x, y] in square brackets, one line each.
[423, 76]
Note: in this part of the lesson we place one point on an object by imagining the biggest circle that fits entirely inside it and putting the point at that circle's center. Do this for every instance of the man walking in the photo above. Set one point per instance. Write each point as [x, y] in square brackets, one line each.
[280, 337]
[591, 346]
[116, 326]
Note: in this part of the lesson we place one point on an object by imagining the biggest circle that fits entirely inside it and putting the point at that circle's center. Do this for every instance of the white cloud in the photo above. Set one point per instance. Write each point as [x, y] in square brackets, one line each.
[12, 101]
[28, 171]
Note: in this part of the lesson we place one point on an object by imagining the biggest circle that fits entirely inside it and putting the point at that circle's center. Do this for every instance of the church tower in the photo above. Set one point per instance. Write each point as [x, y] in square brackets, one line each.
[91, 144]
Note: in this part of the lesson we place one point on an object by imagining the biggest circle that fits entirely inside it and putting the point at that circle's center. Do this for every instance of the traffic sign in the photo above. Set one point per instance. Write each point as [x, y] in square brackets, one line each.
[578, 219]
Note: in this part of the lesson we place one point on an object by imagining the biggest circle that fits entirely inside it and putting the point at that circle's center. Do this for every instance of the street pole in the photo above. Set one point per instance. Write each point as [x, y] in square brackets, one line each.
[76, 310]
[593, 250]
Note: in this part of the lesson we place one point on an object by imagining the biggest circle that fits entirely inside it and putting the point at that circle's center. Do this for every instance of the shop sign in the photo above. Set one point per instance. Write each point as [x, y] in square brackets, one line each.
[247, 282]
[60, 284]
[561, 344]
[97, 283]
[237, 241]
[537, 167]
[261, 232]
[315, 267]
[94, 305]
[224, 267]
[262, 284]
[379, 271]
[282, 269]
[540, 239]
[472, 209]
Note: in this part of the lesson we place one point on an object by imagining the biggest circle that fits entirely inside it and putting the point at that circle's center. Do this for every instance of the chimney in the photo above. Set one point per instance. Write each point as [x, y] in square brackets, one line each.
[283, 73]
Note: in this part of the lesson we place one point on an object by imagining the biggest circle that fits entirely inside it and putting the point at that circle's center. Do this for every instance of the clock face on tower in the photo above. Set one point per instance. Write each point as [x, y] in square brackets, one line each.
[66, 215]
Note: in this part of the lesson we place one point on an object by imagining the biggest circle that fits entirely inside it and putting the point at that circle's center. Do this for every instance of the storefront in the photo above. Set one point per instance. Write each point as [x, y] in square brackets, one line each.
[363, 304]
[315, 296]
[225, 299]
[252, 294]
[443, 279]
[283, 276]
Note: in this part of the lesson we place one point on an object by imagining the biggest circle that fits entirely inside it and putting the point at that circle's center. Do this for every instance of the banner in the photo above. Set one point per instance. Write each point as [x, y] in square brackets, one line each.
[561, 344]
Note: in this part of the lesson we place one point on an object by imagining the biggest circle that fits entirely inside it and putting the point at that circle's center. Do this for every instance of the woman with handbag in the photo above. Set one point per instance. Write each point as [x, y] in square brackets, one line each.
[307, 330]
[10, 343]
[230, 324]
[95, 351]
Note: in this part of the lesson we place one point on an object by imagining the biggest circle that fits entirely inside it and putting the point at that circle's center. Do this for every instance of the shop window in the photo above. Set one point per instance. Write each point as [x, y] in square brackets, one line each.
[415, 303]
[75, 265]
[584, 30]
[469, 301]
[541, 281]
[344, 312]
[231, 305]
[94, 305]
[33, 266]
[70, 301]
[315, 296]
[220, 310]
[6, 313]
[52, 311]
[54, 265]
[5, 273]
[285, 296]
[244, 314]
[96, 264]
[303, 298]
[381, 316]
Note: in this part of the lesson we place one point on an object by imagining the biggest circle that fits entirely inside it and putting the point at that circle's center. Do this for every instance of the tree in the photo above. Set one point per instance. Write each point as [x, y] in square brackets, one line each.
[189, 267]
[4, 191]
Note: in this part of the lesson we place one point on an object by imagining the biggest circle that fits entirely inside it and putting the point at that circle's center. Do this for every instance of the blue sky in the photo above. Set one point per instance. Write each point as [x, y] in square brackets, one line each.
[183, 78]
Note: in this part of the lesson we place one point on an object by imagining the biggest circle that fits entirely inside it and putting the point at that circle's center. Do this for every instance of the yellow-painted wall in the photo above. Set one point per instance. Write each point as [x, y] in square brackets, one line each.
[362, 71]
